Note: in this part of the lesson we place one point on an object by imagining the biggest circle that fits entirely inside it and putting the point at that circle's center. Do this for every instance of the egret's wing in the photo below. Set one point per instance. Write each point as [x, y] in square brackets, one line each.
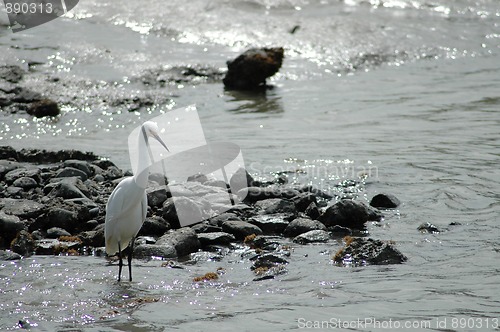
[116, 205]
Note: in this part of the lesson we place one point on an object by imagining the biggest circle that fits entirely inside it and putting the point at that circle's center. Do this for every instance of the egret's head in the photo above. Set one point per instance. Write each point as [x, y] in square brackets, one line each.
[150, 129]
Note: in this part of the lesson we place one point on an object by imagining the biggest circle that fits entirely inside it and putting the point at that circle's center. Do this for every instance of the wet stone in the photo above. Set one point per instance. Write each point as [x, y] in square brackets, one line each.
[267, 261]
[184, 240]
[427, 227]
[215, 238]
[240, 229]
[56, 232]
[7, 255]
[271, 224]
[302, 225]
[156, 196]
[349, 213]
[362, 251]
[250, 69]
[303, 200]
[10, 226]
[385, 201]
[12, 74]
[155, 250]
[155, 226]
[312, 236]
[23, 244]
[205, 227]
[44, 107]
[275, 205]
[312, 211]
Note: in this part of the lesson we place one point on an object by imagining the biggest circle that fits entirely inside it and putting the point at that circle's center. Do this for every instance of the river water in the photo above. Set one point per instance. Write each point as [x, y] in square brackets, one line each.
[406, 92]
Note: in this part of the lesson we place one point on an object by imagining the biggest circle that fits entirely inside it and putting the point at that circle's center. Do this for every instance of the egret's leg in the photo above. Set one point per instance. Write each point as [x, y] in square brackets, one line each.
[131, 251]
[120, 262]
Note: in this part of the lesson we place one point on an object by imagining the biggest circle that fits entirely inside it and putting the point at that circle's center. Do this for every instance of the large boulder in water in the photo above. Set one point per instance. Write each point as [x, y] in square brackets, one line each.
[361, 251]
[250, 70]
[349, 213]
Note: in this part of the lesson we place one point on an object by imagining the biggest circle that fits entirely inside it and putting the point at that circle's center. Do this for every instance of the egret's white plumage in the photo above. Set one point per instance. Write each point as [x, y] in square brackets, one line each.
[127, 205]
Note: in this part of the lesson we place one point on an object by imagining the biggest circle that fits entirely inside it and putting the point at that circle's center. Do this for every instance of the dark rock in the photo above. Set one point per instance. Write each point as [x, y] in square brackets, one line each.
[103, 163]
[56, 232]
[82, 165]
[205, 227]
[15, 174]
[240, 229]
[10, 226]
[62, 218]
[427, 227]
[64, 189]
[184, 240]
[71, 172]
[23, 244]
[192, 211]
[317, 192]
[93, 238]
[385, 201]
[215, 238]
[156, 196]
[112, 173]
[44, 107]
[361, 251]
[219, 219]
[155, 250]
[349, 213]
[155, 226]
[204, 256]
[14, 192]
[312, 236]
[340, 231]
[55, 247]
[312, 211]
[241, 179]
[7, 255]
[26, 96]
[303, 200]
[302, 225]
[276, 205]
[201, 178]
[267, 261]
[241, 209]
[250, 69]
[44, 156]
[23, 208]
[271, 224]
[91, 224]
[216, 183]
[7, 166]
[192, 74]
[263, 242]
[12, 74]
[25, 182]
[254, 194]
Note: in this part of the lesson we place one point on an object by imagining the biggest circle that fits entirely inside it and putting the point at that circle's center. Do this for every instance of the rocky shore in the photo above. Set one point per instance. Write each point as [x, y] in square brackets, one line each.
[53, 203]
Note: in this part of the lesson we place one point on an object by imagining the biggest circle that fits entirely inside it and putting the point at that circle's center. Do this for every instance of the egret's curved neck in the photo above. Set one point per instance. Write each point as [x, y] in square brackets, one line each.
[144, 160]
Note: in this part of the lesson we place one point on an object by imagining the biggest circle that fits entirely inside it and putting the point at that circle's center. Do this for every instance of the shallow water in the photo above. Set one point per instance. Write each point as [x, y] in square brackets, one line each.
[406, 92]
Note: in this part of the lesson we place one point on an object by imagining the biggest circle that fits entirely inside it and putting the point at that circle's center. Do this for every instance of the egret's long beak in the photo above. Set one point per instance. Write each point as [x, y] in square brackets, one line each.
[158, 138]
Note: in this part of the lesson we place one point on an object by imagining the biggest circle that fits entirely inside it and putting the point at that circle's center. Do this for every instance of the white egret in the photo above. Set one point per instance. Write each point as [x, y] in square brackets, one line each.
[127, 205]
